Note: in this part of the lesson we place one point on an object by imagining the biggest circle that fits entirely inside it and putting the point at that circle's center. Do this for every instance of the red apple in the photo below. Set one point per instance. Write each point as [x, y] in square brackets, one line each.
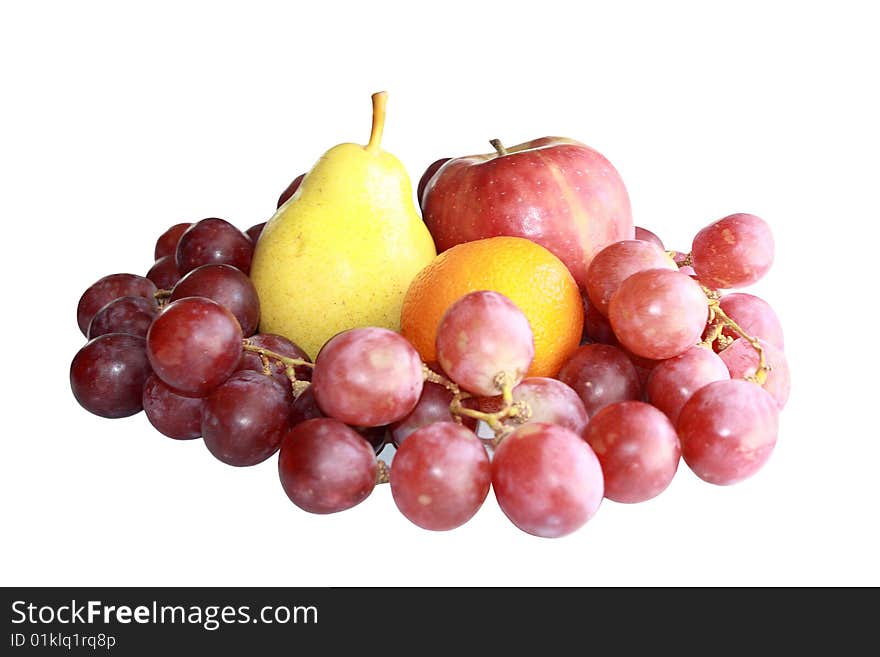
[291, 188]
[426, 177]
[554, 191]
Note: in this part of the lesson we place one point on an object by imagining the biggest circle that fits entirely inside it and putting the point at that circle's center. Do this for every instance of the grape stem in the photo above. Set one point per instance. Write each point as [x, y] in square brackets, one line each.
[687, 261]
[715, 334]
[290, 365]
[718, 319]
[434, 377]
[712, 334]
[383, 472]
[162, 297]
[511, 413]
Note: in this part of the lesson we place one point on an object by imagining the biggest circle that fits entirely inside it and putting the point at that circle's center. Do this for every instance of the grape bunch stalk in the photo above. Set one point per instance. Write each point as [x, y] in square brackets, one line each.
[673, 365]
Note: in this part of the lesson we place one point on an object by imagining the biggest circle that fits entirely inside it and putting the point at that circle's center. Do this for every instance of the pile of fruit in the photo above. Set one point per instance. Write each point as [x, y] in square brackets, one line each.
[552, 351]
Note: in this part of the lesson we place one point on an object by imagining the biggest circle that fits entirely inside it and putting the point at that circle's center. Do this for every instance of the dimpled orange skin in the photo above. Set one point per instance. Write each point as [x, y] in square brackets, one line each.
[527, 273]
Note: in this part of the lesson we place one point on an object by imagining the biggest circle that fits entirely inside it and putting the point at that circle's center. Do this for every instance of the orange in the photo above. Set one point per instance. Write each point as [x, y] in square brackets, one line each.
[525, 272]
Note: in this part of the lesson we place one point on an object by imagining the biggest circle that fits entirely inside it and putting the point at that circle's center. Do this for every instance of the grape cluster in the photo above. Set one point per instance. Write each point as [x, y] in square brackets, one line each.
[669, 368]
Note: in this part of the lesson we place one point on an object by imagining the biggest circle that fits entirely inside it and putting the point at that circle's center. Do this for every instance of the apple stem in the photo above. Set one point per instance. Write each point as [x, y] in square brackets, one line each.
[380, 99]
[498, 146]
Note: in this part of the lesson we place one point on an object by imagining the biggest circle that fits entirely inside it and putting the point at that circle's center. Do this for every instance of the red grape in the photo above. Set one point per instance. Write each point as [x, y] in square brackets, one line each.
[658, 313]
[244, 419]
[194, 345]
[106, 290]
[548, 400]
[132, 315]
[754, 316]
[164, 272]
[674, 381]
[326, 466]
[728, 430]
[166, 245]
[644, 367]
[742, 359]
[376, 436]
[433, 168]
[638, 449]
[290, 190]
[597, 328]
[547, 479]
[214, 242]
[305, 407]
[433, 406]
[733, 252]
[482, 335]
[647, 236]
[227, 286]
[440, 476]
[552, 401]
[107, 375]
[280, 345]
[617, 262]
[170, 413]
[255, 231]
[600, 374]
[367, 376]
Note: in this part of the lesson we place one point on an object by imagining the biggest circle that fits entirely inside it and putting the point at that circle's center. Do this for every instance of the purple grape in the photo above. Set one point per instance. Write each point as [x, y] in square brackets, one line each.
[164, 272]
[132, 315]
[166, 245]
[214, 242]
[244, 419]
[171, 413]
[227, 286]
[325, 466]
[290, 190]
[305, 408]
[106, 290]
[107, 375]
[255, 231]
[194, 345]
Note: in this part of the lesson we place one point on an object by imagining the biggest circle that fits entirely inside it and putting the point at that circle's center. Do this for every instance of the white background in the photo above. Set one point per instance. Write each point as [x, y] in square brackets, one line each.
[118, 122]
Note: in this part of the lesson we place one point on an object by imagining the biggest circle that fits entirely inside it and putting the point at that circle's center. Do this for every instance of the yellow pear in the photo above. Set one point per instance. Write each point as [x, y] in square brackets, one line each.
[343, 250]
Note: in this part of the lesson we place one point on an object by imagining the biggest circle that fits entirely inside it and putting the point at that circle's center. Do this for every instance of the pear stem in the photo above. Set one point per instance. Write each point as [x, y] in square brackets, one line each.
[380, 99]
[499, 147]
